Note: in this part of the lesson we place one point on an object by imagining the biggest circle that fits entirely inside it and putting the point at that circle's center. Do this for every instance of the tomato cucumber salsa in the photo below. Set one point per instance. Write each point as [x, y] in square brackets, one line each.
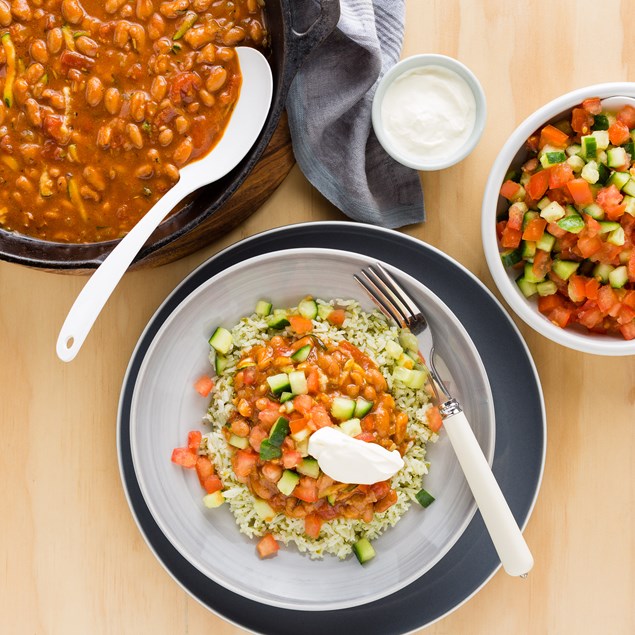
[570, 225]
[319, 417]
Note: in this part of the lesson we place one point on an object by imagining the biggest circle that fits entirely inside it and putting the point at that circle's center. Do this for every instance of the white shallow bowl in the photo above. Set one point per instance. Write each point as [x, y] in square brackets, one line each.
[424, 163]
[513, 154]
[165, 407]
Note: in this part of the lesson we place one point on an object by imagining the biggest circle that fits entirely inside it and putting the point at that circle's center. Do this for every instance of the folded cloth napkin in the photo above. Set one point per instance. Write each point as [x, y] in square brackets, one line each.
[329, 107]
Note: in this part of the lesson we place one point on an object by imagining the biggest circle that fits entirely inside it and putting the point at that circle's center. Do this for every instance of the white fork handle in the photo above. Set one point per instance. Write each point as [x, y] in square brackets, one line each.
[503, 529]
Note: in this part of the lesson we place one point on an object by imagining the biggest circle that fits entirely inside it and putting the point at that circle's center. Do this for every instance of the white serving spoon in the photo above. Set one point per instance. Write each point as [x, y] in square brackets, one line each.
[241, 133]
[617, 102]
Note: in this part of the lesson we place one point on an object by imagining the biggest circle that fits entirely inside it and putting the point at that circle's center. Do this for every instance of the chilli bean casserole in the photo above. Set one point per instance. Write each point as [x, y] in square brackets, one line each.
[104, 101]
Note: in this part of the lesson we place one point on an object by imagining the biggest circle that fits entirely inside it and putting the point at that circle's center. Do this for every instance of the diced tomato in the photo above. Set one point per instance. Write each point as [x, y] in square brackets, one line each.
[194, 439]
[212, 484]
[516, 215]
[300, 325]
[269, 416]
[538, 184]
[591, 288]
[249, 375]
[555, 230]
[560, 195]
[577, 288]
[433, 419]
[303, 403]
[592, 105]
[532, 143]
[560, 175]
[336, 317]
[580, 192]
[313, 381]
[542, 263]
[184, 457]
[290, 459]
[204, 385]
[535, 229]
[608, 198]
[629, 299]
[550, 135]
[368, 437]
[295, 425]
[618, 133]
[320, 417]
[561, 316]
[609, 254]
[306, 493]
[589, 245]
[510, 189]
[267, 546]
[500, 226]
[590, 317]
[628, 331]
[606, 298]
[312, 525]
[625, 315]
[243, 462]
[581, 121]
[627, 116]
[204, 468]
[548, 303]
[511, 238]
[592, 226]
[380, 489]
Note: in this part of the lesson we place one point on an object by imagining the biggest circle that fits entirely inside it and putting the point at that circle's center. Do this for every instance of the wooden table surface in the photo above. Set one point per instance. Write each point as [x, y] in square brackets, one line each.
[72, 558]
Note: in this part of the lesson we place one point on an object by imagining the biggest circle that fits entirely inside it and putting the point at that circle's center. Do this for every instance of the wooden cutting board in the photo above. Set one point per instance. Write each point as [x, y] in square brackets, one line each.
[274, 165]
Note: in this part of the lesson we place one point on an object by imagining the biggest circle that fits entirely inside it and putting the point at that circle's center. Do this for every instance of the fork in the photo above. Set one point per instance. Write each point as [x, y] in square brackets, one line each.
[508, 540]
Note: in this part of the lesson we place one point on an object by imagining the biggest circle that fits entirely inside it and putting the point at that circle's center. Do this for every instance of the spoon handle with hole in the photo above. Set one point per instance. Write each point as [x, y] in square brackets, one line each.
[101, 284]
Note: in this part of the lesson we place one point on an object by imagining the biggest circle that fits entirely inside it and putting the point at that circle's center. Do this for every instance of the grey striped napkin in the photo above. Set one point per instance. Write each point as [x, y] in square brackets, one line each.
[329, 107]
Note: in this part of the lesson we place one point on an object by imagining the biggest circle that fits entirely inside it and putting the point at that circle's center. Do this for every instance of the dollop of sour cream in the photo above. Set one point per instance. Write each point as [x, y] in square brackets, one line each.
[428, 113]
[350, 460]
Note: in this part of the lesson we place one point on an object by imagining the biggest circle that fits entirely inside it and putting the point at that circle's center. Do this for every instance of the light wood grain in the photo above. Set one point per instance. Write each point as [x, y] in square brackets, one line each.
[72, 559]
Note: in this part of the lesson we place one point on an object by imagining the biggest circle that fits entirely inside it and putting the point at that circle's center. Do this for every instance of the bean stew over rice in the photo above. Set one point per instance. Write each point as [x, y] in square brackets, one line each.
[104, 101]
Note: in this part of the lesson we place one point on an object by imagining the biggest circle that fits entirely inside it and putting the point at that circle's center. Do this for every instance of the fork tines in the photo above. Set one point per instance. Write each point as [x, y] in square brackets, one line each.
[389, 297]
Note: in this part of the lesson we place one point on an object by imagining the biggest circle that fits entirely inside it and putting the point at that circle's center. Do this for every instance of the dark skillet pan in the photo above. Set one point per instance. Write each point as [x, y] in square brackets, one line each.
[289, 49]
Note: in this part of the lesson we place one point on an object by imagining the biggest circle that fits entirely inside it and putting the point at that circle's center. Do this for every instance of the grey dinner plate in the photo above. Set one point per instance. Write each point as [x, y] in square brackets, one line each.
[519, 448]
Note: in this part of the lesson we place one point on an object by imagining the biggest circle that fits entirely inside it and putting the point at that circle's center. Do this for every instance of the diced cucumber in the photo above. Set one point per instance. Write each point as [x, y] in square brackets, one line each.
[239, 442]
[600, 122]
[324, 310]
[572, 223]
[286, 396]
[405, 360]
[543, 202]
[408, 340]
[343, 408]
[393, 349]
[263, 308]
[221, 340]
[309, 467]
[297, 381]
[564, 268]
[529, 274]
[303, 447]
[553, 212]
[594, 211]
[601, 138]
[216, 499]
[269, 451]
[278, 319]
[546, 242]
[288, 482]
[525, 178]
[618, 277]
[424, 498]
[279, 431]
[625, 256]
[576, 163]
[590, 172]
[510, 257]
[528, 249]
[589, 147]
[401, 374]
[414, 379]
[615, 157]
[352, 427]
[301, 435]
[603, 171]
[528, 217]
[362, 407]
[619, 179]
[363, 550]
[552, 158]
[601, 271]
[527, 288]
[617, 237]
[548, 287]
[629, 203]
[607, 226]
[629, 187]
[629, 146]
[302, 353]
[279, 383]
[308, 308]
[220, 364]
[263, 509]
